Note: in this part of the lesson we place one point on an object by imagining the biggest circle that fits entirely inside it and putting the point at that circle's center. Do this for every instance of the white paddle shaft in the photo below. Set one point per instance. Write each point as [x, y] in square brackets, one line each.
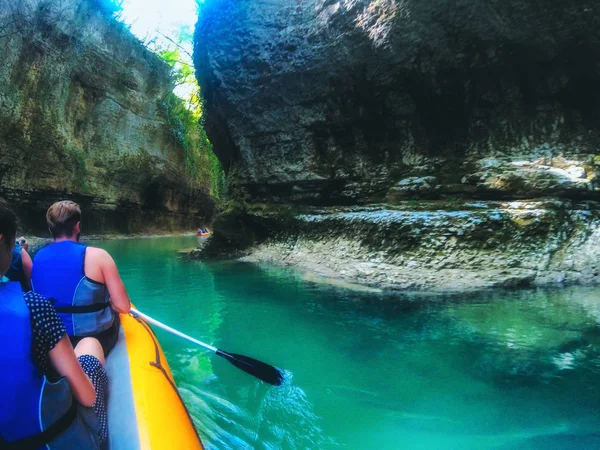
[149, 319]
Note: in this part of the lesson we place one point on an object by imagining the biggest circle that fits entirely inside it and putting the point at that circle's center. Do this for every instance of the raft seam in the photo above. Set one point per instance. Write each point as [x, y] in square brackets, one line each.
[157, 364]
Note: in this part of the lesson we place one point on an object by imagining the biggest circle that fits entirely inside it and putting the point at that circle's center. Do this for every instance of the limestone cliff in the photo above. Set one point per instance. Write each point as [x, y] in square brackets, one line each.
[406, 105]
[81, 118]
[328, 101]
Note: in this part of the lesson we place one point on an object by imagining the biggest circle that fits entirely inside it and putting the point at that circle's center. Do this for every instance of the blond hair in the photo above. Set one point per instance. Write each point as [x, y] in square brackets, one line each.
[62, 217]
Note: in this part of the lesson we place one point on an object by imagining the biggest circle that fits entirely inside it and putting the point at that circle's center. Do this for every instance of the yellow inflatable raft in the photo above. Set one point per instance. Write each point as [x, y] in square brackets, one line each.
[145, 410]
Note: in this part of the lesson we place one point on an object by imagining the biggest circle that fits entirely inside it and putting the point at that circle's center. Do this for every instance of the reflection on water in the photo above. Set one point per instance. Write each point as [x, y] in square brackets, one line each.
[500, 369]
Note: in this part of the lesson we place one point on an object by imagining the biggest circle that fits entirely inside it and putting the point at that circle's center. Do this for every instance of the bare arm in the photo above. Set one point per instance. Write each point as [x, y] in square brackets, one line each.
[116, 289]
[27, 266]
[65, 362]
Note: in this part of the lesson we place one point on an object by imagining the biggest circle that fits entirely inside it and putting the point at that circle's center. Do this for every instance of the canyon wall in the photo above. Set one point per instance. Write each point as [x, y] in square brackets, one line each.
[396, 107]
[82, 118]
[333, 102]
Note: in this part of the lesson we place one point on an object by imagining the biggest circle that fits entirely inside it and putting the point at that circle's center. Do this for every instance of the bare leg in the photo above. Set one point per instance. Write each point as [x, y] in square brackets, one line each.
[90, 346]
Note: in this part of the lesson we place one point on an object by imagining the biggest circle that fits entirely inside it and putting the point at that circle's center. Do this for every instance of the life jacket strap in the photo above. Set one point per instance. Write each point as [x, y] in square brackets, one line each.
[81, 309]
[45, 437]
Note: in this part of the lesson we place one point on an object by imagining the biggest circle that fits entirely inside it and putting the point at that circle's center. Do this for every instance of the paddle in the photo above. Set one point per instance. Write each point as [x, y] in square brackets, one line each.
[259, 369]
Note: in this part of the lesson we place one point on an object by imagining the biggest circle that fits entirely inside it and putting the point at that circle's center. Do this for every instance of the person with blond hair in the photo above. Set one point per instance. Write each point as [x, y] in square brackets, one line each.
[52, 395]
[82, 281]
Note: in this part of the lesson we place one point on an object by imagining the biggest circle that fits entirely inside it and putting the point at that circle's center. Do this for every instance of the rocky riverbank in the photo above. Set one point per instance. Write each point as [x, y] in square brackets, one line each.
[432, 245]
[407, 144]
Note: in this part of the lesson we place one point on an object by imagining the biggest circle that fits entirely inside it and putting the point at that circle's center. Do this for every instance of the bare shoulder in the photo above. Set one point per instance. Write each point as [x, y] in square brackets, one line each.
[98, 255]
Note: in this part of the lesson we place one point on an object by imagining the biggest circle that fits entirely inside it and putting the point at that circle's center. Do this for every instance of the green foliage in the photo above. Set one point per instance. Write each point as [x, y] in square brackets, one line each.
[183, 110]
[201, 164]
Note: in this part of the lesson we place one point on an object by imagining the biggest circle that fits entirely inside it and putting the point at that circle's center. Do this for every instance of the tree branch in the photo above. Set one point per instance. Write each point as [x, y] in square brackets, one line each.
[178, 61]
[178, 45]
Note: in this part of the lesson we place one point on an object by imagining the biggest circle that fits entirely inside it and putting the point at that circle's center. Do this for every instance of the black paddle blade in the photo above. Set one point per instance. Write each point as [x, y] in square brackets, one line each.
[259, 369]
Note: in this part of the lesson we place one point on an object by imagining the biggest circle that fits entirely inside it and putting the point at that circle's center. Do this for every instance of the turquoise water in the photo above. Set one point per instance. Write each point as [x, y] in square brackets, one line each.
[501, 370]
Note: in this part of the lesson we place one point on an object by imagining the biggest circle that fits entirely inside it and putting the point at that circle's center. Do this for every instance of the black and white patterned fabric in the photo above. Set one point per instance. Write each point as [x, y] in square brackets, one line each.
[47, 330]
[92, 367]
[46, 326]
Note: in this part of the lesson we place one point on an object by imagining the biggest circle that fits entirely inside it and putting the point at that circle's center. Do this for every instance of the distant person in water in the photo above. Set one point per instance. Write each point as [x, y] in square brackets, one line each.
[83, 281]
[41, 410]
[21, 264]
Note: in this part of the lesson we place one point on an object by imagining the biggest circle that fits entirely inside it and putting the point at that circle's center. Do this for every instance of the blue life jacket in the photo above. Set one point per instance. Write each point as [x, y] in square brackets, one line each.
[34, 410]
[15, 273]
[82, 303]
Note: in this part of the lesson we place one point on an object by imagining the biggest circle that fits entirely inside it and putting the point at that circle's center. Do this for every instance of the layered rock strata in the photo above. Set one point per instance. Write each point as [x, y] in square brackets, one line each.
[475, 246]
[331, 102]
[81, 118]
[390, 105]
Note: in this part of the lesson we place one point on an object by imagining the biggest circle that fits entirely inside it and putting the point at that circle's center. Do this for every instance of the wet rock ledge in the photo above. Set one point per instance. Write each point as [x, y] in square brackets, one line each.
[429, 245]
[408, 144]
